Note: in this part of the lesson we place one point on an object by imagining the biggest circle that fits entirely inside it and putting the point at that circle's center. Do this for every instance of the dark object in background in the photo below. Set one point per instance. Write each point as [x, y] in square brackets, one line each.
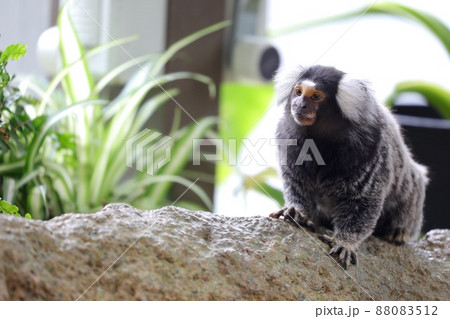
[428, 136]
[204, 56]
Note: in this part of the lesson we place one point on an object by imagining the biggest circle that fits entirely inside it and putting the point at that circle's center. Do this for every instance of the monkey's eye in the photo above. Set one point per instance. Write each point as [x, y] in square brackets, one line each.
[298, 92]
[316, 97]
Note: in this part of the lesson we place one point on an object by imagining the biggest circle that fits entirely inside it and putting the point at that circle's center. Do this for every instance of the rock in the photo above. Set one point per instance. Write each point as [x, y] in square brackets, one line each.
[122, 253]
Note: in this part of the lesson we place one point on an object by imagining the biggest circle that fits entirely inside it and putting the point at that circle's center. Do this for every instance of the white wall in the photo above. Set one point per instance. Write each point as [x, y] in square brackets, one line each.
[23, 21]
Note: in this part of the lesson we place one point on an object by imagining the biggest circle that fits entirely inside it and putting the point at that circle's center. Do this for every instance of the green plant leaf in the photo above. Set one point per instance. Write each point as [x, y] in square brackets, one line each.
[117, 168]
[269, 191]
[7, 208]
[50, 121]
[139, 78]
[70, 150]
[111, 75]
[72, 68]
[148, 109]
[259, 184]
[26, 178]
[166, 78]
[237, 119]
[78, 82]
[13, 52]
[273, 193]
[145, 86]
[9, 189]
[150, 70]
[437, 96]
[177, 46]
[36, 201]
[61, 173]
[30, 85]
[123, 113]
[183, 150]
[12, 167]
[115, 138]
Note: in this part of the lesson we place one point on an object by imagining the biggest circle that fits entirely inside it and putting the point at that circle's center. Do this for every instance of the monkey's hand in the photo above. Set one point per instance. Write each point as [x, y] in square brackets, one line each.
[342, 252]
[296, 217]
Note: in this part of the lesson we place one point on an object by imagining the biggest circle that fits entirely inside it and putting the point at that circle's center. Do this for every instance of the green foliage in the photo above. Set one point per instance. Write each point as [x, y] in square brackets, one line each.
[237, 117]
[17, 128]
[9, 209]
[75, 160]
[13, 52]
[237, 121]
[438, 96]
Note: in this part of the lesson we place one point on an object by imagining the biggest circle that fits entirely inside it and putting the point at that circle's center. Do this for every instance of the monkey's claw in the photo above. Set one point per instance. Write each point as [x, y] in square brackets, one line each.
[295, 217]
[277, 214]
[298, 218]
[344, 255]
[327, 240]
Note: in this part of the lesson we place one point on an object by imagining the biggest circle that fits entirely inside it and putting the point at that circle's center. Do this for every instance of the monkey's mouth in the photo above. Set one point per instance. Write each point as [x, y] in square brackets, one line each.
[305, 119]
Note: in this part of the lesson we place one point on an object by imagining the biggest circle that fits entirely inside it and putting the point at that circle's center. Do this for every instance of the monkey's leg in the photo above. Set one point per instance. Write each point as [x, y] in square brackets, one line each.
[399, 224]
[402, 214]
[354, 221]
[298, 205]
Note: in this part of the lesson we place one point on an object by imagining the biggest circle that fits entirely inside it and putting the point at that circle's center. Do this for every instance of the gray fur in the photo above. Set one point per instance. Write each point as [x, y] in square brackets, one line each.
[370, 183]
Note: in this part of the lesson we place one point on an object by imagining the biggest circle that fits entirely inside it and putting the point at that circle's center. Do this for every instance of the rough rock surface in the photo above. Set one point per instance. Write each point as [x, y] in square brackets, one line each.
[175, 254]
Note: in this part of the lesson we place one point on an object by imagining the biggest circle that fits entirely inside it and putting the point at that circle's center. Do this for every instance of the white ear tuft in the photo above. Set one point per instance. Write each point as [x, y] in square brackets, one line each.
[285, 79]
[355, 98]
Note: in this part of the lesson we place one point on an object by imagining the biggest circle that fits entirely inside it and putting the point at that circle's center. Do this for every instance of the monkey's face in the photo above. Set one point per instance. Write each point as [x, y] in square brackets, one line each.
[305, 102]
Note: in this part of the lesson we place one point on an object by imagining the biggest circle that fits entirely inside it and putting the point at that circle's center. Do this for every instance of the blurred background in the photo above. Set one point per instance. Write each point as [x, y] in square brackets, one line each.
[98, 72]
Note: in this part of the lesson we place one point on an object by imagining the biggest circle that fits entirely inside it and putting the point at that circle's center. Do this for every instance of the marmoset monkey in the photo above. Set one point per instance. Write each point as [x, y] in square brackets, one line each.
[369, 184]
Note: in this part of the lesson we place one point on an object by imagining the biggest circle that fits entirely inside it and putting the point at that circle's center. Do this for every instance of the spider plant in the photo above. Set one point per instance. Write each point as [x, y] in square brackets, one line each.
[76, 160]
